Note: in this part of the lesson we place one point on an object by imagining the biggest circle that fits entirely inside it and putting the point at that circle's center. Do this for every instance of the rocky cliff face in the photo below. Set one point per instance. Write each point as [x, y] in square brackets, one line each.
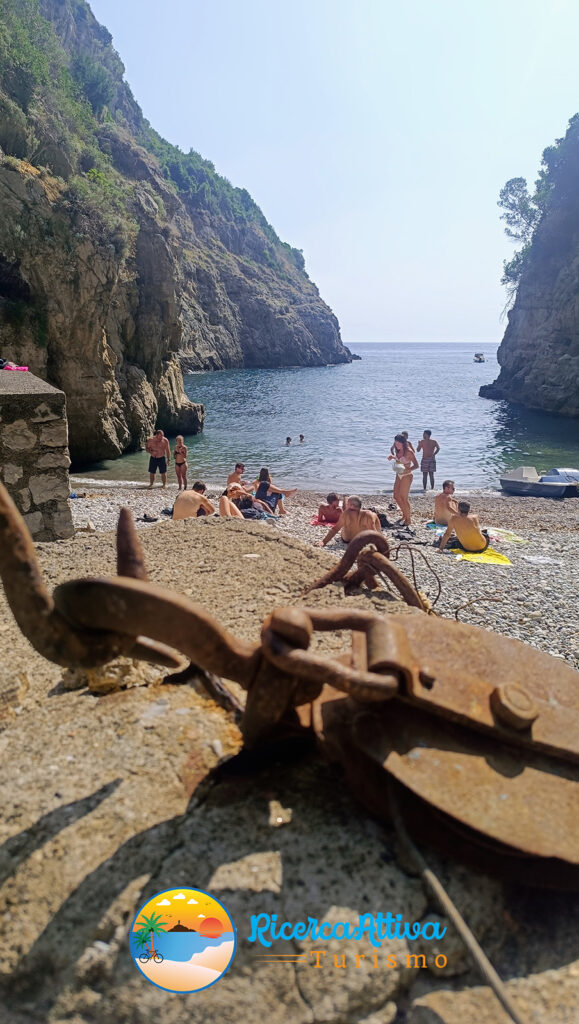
[122, 260]
[539, 354]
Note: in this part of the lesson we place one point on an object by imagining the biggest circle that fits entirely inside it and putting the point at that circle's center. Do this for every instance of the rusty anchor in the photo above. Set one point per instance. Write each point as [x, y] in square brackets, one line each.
[475, 734]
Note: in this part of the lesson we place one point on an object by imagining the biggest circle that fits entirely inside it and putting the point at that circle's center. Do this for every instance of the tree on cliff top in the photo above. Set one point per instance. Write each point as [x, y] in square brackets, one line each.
[522, 212]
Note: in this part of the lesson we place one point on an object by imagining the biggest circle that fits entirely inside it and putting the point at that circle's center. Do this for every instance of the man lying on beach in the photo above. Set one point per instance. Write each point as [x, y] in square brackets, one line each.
[468, 534]
[429, 448]
[190, 504]
[331, 511]
[353, 520]
[445, 506]
[158, 448]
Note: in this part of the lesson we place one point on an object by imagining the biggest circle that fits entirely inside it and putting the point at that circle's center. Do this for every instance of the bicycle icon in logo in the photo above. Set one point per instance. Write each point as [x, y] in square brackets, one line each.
[182, 940]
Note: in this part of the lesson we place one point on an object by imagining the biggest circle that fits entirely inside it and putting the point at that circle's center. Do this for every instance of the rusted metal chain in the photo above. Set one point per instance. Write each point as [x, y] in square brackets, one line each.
[448, 908]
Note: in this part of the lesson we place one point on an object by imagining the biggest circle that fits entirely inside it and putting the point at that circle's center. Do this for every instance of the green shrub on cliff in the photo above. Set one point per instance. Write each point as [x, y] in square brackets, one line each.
[57, 93]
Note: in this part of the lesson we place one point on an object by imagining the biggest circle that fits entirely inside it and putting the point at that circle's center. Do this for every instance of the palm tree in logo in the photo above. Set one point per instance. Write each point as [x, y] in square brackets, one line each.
[149, 926]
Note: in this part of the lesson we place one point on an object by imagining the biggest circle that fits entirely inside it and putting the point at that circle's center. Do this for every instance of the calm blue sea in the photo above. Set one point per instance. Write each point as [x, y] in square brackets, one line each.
[349, 415]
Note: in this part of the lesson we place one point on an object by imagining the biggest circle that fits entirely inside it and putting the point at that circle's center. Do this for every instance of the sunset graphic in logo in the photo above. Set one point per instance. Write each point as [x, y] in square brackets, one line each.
[182, 940]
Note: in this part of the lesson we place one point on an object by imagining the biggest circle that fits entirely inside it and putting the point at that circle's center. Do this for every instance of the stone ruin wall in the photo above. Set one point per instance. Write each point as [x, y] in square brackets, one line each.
[34, 458]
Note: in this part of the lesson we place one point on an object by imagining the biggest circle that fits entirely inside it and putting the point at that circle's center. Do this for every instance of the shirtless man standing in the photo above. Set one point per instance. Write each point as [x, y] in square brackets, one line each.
[445, 506]
[353, 520]
[158, 448]
[429, 448]
[469, 535]
[190, 504]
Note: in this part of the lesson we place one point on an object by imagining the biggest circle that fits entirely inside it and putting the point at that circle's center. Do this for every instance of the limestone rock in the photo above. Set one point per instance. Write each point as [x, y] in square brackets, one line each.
[112, 305]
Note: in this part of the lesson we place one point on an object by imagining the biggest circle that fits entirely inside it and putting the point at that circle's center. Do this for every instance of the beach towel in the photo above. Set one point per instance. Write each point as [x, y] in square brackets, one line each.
[505, 535]
[440, 529]
[315, 521]
[488, 557]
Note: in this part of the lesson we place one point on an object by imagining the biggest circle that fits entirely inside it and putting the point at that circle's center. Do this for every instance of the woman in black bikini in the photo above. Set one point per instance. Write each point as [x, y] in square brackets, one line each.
[180, 454]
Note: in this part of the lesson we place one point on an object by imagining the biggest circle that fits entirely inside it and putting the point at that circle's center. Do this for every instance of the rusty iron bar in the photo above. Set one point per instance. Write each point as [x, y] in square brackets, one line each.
[349, 557]
[372, 563]
[130, 557]
[41, 623]
[437, 890]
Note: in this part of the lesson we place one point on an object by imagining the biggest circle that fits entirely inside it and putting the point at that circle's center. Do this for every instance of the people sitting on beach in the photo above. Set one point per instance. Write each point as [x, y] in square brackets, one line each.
[228, 508]
[404, 455]
[266, 490]
[468, 535]
[353, 520]
[244, 499]
[180, 456]
[160, 454]
[445, 506]
[331, 511]
[189, 504]
[236, 476]
[429, 448]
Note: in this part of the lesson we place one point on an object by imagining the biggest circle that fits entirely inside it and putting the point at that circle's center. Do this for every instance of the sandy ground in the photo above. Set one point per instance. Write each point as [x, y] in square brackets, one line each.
[111, 797]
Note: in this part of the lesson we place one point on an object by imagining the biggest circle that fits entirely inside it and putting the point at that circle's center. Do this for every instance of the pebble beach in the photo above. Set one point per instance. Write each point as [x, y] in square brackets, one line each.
[534, 599]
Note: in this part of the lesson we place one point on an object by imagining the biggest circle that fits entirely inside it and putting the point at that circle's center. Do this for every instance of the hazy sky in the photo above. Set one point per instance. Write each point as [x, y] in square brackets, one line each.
[375, 135]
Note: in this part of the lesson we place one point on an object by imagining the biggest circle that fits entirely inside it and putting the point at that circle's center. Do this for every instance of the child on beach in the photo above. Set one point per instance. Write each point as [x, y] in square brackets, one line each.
[180, 456]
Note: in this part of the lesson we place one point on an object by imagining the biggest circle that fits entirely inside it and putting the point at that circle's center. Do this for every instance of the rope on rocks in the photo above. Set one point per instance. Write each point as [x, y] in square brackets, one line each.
[482, 597]
[437, 890]
[405, 546]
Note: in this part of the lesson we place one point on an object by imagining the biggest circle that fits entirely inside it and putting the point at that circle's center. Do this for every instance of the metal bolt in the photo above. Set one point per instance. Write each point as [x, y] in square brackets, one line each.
[513, 706]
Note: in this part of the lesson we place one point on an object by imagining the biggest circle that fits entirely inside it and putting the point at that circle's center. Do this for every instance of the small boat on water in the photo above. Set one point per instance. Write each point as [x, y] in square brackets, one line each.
[479, 357]
[557, 483]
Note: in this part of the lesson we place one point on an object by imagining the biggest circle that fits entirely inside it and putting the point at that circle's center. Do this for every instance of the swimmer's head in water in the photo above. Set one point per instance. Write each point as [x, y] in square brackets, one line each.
[464, 508]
